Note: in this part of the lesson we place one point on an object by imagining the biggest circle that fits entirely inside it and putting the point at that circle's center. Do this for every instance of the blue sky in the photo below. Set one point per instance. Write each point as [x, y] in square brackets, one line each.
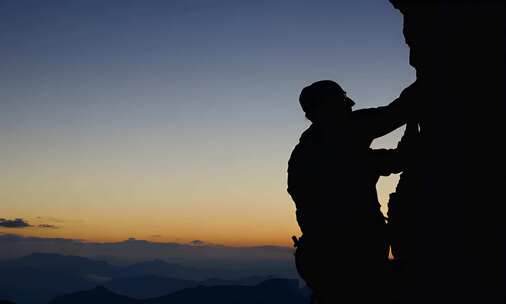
[172, 114]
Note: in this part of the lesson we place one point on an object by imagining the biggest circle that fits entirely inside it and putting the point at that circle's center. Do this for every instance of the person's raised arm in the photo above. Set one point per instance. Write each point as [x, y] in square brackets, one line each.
[376, 122]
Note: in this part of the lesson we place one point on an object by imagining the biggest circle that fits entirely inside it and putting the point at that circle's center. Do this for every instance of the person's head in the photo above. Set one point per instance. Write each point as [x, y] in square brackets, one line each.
[325, 101]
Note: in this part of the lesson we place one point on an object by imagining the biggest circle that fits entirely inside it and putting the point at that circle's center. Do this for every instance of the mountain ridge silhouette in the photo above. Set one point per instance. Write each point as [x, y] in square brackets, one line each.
[40, 277]
[270, 291]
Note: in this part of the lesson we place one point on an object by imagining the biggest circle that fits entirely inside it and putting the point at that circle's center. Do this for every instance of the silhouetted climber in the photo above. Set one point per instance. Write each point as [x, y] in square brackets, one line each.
[332, 176]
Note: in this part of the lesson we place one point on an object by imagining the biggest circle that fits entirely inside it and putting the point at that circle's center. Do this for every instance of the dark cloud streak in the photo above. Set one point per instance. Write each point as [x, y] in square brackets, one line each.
[15, 223]
[197, 243]
[47, 226]
[22, 223]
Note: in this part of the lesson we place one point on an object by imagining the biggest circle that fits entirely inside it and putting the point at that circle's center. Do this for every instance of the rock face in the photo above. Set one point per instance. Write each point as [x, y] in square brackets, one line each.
[451, 227]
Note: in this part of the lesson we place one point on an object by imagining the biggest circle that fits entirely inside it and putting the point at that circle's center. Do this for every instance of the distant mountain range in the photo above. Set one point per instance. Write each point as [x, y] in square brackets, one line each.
[147, 286]
[191, 261]
[40, 277]
[133, 251]
[272, 291]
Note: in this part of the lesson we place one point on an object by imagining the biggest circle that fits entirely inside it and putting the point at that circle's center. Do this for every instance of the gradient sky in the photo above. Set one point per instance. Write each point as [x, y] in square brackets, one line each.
[174, 120]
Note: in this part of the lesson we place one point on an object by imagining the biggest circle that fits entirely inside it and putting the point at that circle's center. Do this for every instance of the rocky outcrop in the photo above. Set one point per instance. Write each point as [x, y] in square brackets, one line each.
[450, 237]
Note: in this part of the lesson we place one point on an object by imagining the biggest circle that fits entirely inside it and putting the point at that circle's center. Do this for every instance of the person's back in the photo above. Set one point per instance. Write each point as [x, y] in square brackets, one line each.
[332, 181]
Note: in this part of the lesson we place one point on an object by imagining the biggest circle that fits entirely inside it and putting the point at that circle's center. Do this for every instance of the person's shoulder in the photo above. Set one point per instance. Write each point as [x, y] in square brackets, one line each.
[307, 141]
[309, 133]
[310, 136]
[295, 158]
[306, 138]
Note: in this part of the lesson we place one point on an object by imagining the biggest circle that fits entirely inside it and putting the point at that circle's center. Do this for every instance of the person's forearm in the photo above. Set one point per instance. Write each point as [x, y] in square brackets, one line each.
[380, 121]
[377, 122]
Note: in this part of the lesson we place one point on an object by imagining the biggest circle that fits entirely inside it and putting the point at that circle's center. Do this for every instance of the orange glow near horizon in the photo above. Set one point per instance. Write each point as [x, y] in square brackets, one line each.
[109, 207]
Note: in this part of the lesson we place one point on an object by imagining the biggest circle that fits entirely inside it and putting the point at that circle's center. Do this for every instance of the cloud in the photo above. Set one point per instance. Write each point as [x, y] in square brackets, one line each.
[47, 226]
[50, 219]
[16, 223]
[22, 223]
[197, 243]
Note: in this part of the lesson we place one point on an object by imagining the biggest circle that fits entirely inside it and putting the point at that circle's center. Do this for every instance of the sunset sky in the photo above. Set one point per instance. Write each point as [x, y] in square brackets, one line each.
[174, 120]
